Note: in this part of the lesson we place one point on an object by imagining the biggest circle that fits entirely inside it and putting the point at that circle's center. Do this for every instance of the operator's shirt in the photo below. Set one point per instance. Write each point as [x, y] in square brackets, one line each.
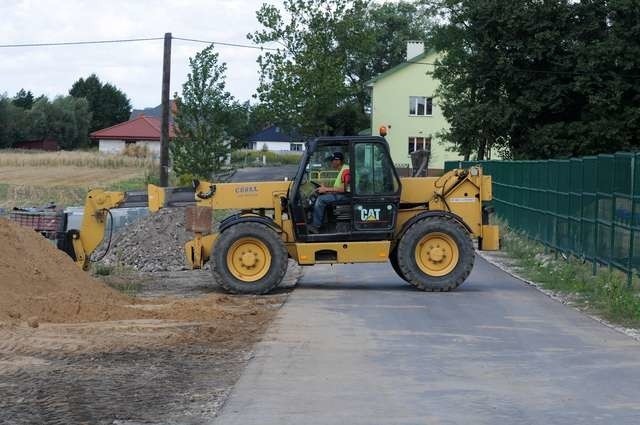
[344, 178]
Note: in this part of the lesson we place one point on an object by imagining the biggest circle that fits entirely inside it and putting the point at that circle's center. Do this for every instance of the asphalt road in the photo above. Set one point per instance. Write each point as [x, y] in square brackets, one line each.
[256, 174]
[356, 345]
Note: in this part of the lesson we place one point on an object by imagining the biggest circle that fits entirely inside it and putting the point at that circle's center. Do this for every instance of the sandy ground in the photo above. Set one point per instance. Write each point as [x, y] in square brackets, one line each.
[152, 371]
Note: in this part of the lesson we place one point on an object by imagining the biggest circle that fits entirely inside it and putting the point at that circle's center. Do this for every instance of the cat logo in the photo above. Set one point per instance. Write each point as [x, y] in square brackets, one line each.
[370, 214]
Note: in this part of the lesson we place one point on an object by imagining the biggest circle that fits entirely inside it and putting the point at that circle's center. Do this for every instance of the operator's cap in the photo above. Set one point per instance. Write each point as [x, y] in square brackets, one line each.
[336, 155]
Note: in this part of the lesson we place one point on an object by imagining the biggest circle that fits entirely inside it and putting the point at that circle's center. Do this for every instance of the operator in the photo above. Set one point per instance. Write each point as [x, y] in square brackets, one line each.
[335, 193]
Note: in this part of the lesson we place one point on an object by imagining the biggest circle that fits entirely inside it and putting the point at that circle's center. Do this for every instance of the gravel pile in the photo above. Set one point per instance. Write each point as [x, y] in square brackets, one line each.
[153, 243]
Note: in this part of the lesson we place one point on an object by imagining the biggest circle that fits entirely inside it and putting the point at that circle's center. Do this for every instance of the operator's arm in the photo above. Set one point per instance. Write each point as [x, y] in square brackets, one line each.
[346, 179]
[327, 189]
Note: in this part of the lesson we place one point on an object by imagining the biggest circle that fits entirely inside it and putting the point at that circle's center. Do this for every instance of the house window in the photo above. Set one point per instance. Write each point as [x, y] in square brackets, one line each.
[295, 147]
[420, 106]
[419, 143]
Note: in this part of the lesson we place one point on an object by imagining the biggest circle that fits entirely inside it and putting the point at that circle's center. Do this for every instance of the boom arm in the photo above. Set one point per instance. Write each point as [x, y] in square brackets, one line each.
[99, 203]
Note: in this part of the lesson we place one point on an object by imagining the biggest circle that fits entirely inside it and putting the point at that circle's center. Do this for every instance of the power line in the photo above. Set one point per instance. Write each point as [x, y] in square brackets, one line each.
[246, 46]
[131, 40]
[74, 43]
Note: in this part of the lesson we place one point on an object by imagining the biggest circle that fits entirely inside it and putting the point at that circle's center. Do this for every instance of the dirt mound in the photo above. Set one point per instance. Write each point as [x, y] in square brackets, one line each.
[151, 244]
[40, 283]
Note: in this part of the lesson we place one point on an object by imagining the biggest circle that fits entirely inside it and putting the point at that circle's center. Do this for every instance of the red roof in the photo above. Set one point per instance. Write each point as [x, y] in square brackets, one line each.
[140, 128]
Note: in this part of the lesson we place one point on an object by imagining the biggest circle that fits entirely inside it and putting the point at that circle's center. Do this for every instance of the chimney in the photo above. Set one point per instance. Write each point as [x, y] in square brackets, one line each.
[414, 48]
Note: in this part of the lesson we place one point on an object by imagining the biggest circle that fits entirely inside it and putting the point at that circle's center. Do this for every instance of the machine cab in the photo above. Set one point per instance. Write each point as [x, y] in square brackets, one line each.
[366, 206]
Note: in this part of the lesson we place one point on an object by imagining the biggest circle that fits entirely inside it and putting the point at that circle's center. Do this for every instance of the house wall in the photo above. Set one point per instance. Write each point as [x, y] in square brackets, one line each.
[152, 146]
[111, 146]
[274, 146]
[118, 146]
[390, 107]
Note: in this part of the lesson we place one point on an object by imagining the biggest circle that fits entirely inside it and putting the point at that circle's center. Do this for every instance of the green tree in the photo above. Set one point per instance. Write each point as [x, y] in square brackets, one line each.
[206, 120]
[12, 123]
[107, 104]
[65, 120]
[23, 99]
[608, 76]
[327, 50]
[540, 79]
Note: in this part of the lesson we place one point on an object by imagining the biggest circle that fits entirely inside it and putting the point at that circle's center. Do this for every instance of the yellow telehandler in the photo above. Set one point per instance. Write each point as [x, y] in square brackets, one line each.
[422, 225]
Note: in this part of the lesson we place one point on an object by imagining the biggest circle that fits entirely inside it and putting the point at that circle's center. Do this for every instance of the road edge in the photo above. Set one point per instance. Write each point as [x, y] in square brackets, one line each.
[493, 258]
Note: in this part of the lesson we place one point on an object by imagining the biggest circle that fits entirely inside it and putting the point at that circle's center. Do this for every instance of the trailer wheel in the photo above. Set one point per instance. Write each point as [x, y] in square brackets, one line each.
[436, 254]
[249, 258]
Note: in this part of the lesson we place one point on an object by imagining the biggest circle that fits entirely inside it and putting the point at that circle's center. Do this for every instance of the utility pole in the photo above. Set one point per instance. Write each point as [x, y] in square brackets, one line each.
[164, 126]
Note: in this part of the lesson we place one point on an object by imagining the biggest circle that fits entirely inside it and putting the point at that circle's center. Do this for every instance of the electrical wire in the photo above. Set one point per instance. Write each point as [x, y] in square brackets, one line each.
[75, 43]
[262, 48]
[131, 40]
[246, 46]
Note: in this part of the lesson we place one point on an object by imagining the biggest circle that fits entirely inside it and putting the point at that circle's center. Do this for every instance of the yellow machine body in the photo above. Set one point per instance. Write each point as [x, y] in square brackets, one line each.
[465, 201]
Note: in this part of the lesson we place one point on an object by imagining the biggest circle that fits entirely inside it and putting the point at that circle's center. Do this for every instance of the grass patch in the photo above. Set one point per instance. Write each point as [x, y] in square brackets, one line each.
[252, 158]
[103, 270]
[129, 288]
[605, 293]
[37, 196]
[119, 277]
[25, 195]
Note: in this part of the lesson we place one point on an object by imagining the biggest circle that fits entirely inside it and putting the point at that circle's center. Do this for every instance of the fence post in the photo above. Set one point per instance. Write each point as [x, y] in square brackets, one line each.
[594, 268]
[633, 217]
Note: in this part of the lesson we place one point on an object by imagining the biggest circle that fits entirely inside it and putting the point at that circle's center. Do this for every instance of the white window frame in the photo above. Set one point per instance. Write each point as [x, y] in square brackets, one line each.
[298, 147]
[414, 102]
[418, 143]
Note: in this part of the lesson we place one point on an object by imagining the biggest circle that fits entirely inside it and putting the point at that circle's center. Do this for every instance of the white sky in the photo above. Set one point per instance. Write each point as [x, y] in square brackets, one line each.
[135, 68]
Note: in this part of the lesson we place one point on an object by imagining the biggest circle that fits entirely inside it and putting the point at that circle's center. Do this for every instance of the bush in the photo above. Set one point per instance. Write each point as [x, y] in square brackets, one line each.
[248, 158]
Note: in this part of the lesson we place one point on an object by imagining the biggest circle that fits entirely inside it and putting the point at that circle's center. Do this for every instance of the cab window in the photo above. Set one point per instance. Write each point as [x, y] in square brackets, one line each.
[373, 173]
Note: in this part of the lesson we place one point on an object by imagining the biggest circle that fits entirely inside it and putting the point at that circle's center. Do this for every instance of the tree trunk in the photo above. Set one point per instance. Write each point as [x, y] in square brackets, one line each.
[481, 150]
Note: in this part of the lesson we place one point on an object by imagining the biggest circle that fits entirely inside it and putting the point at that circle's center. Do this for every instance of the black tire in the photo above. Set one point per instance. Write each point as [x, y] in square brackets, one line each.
[272, 244]
[393, 259]
[453, 272]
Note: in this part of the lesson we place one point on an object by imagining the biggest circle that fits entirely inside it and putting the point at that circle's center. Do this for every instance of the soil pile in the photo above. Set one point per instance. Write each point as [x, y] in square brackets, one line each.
[151, 244]
[38, 282]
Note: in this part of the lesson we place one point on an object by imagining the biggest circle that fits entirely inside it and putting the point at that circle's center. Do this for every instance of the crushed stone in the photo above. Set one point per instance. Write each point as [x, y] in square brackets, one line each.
[154, 243]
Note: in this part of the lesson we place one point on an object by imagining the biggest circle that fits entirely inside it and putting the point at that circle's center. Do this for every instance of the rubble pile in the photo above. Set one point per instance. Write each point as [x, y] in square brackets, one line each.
[151, 244]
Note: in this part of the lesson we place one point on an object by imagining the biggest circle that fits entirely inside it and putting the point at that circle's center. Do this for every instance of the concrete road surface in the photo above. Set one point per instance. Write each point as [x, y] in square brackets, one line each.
[356, 345]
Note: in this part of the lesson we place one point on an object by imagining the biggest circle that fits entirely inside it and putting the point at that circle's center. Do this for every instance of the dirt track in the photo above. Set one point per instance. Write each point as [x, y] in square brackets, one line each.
[134, 371]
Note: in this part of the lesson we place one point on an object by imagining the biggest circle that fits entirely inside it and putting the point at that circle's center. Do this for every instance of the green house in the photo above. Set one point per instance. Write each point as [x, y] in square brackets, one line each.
[403, 100]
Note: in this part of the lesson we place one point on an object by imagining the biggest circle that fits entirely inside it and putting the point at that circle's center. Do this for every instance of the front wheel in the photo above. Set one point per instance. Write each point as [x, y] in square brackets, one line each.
[249, 258]
[436, 254]
[393, 259]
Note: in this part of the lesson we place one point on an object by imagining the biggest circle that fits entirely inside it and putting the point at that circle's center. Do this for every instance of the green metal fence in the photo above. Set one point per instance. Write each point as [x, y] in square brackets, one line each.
[589, 207]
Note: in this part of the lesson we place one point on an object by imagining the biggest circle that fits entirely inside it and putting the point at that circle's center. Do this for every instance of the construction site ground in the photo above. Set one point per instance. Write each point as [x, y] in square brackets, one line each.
[158, 371]
[152, 343]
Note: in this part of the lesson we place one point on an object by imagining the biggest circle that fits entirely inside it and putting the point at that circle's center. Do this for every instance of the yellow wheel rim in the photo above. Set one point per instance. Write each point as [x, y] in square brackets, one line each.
[437, 254]
[248, 259]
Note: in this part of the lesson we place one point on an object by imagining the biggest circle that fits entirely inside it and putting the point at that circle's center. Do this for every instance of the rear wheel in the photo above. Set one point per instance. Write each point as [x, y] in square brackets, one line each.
[436, 254]
[249, 258]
